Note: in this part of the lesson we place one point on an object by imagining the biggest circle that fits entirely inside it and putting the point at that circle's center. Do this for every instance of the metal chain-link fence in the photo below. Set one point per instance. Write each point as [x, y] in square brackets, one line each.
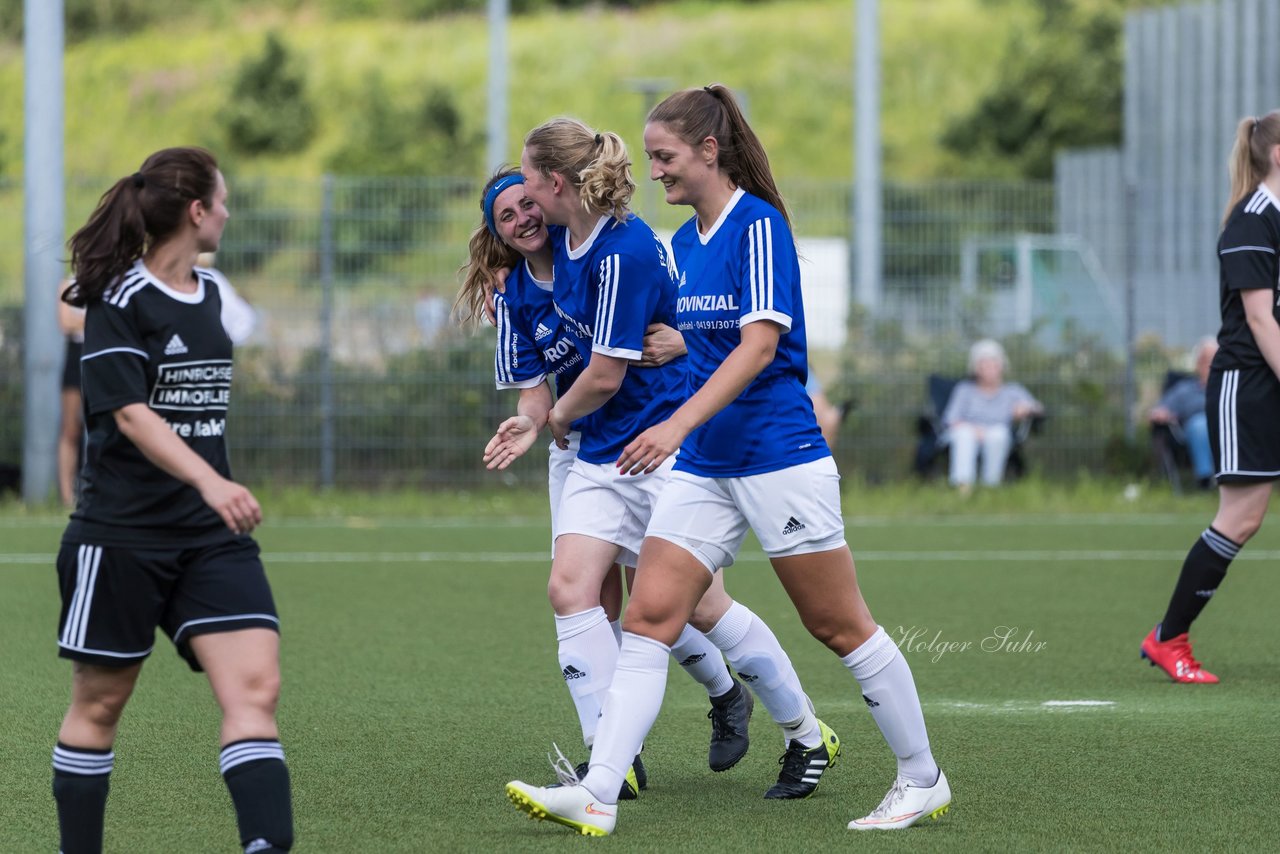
[357, 375]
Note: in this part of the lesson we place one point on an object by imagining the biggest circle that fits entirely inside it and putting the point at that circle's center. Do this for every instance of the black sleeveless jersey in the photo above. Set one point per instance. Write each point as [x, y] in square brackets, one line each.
[144, 342]
[1247, 260]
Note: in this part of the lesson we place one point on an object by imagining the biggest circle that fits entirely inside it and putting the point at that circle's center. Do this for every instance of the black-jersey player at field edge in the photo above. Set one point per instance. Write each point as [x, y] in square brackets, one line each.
[1242, 397]
[161, 534]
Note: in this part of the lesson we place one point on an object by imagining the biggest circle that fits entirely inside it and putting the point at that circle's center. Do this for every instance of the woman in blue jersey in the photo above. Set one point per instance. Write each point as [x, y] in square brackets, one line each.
[751, 456]
[612, 281]
[531, 346]
[160, 533]
[1242, 393]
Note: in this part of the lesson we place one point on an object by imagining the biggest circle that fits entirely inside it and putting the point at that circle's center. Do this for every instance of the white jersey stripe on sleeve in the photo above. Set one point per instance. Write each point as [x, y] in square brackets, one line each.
[751, 265]
[115, 350]
[615, 277]
[1248, 249]
[767, 268]
[502, 358]
[130, 286]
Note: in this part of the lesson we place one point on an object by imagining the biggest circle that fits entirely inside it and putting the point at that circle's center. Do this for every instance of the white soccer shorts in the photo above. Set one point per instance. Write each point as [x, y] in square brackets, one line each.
[600, 501]
[793, 511]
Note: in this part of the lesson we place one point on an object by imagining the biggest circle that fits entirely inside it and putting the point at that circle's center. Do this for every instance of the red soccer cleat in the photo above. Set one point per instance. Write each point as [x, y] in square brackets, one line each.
[1174, 657]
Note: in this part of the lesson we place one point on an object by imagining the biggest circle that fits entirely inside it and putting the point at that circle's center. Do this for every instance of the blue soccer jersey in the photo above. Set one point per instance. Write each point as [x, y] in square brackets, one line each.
[532, 343]
[607, 292]
[745, 269]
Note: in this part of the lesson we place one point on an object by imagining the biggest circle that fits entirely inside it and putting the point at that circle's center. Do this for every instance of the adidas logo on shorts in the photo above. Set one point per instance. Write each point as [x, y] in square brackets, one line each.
[793, 525]
[175, 346]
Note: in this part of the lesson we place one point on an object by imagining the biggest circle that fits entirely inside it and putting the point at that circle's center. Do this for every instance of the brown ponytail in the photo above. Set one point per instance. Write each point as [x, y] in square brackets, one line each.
[138, 211]
[712, 111]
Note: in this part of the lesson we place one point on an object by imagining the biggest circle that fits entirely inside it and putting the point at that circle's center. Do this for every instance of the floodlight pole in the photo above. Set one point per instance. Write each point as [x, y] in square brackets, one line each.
[650, 89]
[867, 268]
[497, 140]
[44, 223]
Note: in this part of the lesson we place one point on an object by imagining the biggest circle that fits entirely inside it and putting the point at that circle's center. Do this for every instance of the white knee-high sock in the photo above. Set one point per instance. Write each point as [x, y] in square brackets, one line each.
[763, 666]
[631, 706]
[890, 693]
[702, 660]
[588, 656]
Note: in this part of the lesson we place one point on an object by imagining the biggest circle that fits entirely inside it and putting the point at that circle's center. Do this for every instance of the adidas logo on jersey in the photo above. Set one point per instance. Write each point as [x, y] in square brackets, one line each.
[175, 346]
[793, 525]
[572, 672]
[541, 332]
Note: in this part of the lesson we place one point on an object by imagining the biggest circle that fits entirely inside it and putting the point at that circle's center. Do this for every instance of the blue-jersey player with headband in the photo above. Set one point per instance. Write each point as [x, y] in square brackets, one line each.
[531, 347]
[613, 281]
[751, 456]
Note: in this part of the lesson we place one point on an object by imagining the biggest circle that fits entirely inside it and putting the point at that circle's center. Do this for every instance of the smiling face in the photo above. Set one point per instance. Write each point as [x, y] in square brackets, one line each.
[541, 189]
[518, 220]
[211, 219]
[685, 171]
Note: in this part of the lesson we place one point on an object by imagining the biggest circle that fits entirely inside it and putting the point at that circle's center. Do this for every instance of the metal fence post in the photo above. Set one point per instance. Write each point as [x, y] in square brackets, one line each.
[326, 333]
[1130, 307]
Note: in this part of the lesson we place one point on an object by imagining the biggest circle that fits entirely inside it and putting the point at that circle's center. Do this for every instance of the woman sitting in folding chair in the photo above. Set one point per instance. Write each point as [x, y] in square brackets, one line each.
[980, 415]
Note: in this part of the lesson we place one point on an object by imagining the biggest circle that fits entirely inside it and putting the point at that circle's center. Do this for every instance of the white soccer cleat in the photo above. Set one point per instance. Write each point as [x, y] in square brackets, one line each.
[573, 806]
[906, 804]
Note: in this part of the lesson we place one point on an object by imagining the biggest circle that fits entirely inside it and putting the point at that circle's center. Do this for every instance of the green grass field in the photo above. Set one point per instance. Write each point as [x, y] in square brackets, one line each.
[420, 676]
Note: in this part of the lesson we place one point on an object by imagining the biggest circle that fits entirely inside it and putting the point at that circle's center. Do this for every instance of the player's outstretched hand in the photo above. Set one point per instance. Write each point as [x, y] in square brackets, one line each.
[515, 436]
[648, 450]
[234, 503]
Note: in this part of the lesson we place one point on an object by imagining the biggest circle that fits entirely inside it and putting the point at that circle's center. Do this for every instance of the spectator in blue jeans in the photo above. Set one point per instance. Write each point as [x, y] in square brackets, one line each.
[1183, 405]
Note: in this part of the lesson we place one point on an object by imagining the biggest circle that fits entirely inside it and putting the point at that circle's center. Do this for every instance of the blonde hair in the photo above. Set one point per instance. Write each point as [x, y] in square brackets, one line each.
[487, 255]
[1250, 160]
[595, 164]
[695, 114]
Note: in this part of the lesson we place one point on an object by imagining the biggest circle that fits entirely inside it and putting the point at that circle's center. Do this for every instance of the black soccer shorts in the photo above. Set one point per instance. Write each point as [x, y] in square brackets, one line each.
[1242, 407]
[113, 598]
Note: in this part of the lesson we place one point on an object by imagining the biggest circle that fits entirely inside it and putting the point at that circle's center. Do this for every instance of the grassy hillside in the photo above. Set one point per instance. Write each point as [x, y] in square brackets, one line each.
[129, 95]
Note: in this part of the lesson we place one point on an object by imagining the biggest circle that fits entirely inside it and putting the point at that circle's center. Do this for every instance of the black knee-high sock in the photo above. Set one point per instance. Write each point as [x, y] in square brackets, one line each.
[258, 781]
[81, 778]
[1202, 572]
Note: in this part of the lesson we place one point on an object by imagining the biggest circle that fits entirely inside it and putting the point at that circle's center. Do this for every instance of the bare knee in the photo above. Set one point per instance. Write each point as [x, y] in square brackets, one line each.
[101, 710]
[571, 596]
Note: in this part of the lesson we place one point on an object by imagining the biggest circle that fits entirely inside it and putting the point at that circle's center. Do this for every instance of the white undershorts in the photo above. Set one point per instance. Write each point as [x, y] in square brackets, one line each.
[599, 501]
[793, 511]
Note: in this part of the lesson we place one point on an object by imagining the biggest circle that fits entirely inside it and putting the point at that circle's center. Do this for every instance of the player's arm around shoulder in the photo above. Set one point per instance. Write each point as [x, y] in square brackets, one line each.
[149, 432]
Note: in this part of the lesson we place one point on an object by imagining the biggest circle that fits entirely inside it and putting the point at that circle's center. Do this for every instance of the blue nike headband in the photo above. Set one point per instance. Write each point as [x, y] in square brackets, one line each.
[492, 196]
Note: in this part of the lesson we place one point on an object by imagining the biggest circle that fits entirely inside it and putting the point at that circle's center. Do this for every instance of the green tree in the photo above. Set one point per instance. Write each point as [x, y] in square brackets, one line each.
[1060, 85]
[268, 111]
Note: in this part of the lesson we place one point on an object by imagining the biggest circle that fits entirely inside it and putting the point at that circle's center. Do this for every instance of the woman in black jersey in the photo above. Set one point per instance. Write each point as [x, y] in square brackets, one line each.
[160, 534]
[1242, 398]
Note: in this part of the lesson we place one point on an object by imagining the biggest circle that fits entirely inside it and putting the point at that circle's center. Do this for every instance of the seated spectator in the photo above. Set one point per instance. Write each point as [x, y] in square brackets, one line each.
[1183, 406]
[980, 415]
